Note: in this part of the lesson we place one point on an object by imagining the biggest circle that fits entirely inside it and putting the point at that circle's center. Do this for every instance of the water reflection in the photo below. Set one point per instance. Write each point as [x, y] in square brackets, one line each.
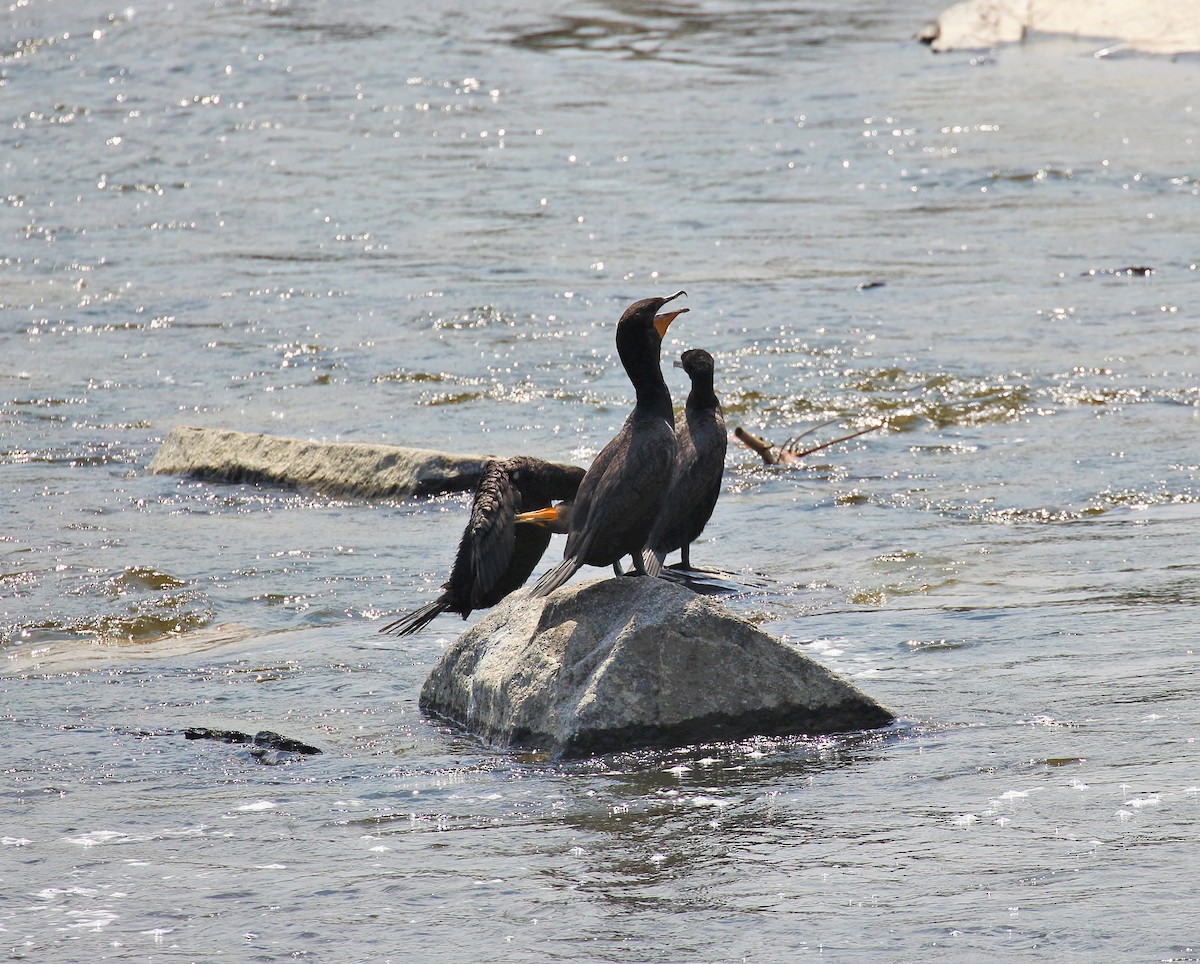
[730, 38]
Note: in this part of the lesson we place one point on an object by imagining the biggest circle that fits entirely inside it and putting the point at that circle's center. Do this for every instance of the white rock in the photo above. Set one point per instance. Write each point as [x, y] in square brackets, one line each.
[980, 24]
[1150, 26]
[615, 664]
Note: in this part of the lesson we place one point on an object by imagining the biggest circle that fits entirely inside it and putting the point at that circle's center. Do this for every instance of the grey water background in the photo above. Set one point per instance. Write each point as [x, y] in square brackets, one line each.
[415, 224]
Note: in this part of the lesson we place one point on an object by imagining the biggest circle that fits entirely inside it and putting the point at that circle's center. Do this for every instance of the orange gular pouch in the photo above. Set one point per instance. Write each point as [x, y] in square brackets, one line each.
[663, 322]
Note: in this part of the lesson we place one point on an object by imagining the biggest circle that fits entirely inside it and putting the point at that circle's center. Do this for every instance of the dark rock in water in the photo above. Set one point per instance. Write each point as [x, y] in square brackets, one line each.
[616, 664]
[1133, 271]
[262, 740]
[331, 468]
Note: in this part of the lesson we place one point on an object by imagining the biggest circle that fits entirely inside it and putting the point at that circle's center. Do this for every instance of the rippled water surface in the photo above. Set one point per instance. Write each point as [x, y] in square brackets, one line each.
[393, 222]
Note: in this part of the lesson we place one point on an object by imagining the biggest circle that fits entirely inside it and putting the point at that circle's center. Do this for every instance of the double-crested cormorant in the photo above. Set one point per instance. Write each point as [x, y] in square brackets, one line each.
[699, 465]
[495, 555]
[623, 490]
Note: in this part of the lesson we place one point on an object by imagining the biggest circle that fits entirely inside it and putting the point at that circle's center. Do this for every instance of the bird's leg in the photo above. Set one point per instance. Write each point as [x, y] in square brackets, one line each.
[617, 571]
[685, 559]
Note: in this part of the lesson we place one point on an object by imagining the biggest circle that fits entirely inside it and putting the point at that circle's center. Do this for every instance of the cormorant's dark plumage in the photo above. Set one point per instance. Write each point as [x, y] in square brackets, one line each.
[620, 496]
[699, 466]
[495, 555]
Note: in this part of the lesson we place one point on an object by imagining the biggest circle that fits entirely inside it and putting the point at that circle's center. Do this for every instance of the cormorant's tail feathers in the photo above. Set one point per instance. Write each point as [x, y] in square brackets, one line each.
[418, 618]
[555, 577]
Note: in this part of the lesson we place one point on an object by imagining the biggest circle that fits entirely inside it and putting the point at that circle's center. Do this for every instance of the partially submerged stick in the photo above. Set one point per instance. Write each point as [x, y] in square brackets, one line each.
[761, 446]
[788, 452]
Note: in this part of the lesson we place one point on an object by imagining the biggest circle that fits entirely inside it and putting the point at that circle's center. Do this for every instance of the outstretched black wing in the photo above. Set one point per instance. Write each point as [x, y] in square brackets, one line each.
[486, 549]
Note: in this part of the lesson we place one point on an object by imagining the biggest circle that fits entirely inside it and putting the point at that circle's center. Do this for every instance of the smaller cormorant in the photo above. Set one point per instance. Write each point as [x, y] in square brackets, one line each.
[699, 465]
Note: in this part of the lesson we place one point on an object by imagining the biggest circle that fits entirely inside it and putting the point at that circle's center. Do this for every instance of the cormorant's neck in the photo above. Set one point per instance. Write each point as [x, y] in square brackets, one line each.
[702, 394]
[640, 356]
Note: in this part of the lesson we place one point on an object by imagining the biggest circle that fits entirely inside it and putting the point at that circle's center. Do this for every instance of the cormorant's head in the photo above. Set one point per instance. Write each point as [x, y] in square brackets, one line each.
[540, 483]
[696, 361]
[644, 314]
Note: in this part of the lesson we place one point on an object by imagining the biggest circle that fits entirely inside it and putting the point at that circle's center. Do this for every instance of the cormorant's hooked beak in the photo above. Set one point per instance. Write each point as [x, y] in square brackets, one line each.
[556, 518]
[678, 363]
[663, 322]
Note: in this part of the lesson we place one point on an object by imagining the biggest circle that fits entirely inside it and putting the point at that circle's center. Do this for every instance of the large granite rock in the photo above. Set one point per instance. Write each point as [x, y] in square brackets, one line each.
[331, 468]
[616, 664]
[1151, 26]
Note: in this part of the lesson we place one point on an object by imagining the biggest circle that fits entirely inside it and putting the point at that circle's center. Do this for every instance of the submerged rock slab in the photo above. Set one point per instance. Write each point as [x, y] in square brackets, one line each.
[617, 664]
[1150, 26]
[331, 468]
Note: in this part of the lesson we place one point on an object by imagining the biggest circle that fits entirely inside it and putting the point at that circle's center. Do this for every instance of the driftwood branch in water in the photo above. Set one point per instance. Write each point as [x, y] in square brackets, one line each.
[790, 451]
[761, 446]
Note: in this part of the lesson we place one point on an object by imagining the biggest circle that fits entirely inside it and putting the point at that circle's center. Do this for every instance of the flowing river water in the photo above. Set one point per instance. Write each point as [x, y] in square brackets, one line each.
[391, 222]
